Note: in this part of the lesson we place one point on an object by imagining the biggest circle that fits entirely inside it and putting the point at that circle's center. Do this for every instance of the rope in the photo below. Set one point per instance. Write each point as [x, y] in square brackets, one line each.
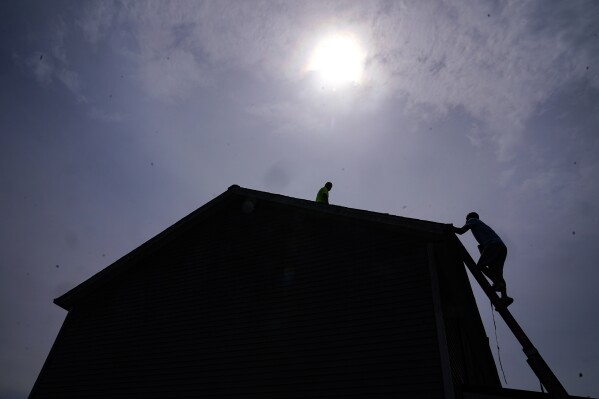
[497, 342]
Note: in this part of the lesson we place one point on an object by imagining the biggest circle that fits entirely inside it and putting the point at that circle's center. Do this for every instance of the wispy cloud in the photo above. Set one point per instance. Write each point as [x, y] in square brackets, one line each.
[47, 69]
[52, 65]
[97, 18]
[70, 79]
[43, 71]
[290, 117]
[491, 61]
[172, 75]
[497, 61]
[102, 115]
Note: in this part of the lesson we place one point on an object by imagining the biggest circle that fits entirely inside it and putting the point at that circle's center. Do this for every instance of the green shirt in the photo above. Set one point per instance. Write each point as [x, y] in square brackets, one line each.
[323, 196]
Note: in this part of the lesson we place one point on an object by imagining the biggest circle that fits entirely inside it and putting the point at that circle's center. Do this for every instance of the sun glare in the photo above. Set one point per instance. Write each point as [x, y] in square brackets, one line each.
[338, 59]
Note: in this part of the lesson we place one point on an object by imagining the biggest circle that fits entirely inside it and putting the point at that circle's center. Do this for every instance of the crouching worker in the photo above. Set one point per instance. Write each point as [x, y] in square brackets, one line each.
[492, 253]
[323, 193]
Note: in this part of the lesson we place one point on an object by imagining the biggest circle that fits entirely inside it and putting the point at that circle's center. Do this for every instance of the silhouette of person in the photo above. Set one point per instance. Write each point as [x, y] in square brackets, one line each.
[492, 253]
[323, 193]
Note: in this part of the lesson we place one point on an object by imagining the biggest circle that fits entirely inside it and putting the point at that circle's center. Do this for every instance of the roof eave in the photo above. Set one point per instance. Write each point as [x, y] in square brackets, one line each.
[67, 300]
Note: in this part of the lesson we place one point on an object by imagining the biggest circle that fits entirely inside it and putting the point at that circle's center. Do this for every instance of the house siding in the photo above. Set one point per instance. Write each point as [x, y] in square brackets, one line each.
[274, 303]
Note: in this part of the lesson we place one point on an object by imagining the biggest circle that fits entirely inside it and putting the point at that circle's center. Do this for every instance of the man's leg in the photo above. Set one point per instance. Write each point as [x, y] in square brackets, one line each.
[487, 256]
[497, 270]
[496, 265]
[491, 263]
[496, 262]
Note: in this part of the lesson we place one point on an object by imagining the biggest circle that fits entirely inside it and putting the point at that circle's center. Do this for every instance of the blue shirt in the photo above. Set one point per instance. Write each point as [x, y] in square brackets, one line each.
[483, 233]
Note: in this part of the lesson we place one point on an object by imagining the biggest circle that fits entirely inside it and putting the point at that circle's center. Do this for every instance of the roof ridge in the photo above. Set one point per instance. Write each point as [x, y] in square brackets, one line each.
[67, 300]
[323, 207]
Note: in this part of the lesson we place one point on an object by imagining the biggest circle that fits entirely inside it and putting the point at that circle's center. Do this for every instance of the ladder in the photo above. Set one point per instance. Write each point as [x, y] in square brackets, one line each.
[534, 359]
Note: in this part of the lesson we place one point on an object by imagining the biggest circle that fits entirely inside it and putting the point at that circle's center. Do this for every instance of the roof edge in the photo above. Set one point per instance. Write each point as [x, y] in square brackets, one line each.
[67, 300]
[353, 213]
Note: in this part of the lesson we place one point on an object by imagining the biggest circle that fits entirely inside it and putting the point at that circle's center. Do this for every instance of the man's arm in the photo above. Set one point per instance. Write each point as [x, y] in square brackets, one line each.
[461, 230]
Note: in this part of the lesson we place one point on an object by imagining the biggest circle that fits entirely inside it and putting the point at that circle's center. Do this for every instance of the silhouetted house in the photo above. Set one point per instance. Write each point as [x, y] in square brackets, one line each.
[256, 295]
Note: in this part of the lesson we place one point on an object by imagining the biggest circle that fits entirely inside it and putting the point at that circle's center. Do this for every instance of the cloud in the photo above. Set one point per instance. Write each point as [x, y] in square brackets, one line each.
[43, 71]
[59, 33]
[288, 117]
[173, 76]
[561, 194]
[313, 112]
[97, 18]
[102, 115]
[157, 37]
[506, 176]
[70, 79]
[47, 70]
[53, 66]
[497, 61]
[259, 36]
[492, 62]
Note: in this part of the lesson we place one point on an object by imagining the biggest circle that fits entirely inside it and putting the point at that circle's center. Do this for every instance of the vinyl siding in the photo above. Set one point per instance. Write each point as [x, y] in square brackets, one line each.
[272, 303]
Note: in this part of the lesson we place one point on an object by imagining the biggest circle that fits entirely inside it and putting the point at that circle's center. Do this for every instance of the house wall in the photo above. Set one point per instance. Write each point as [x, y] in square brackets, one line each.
[470, 355]
[258, 301]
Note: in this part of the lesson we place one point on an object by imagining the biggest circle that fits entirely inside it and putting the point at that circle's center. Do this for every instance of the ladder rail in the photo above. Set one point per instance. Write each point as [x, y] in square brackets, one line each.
[534, 358]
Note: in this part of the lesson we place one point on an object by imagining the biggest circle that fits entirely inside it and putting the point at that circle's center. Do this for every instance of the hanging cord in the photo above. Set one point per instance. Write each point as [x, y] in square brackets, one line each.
[497, 342]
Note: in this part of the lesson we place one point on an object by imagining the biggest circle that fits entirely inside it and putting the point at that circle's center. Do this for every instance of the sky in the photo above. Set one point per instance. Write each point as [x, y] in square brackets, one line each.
[118, 118]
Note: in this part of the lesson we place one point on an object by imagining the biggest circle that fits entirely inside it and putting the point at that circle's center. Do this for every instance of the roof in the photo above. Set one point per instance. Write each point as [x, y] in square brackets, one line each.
[429, 229]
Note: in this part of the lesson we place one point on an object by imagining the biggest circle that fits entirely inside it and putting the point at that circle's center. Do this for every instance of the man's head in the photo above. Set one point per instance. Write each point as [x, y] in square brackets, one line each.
[329, 185]
[472, 215]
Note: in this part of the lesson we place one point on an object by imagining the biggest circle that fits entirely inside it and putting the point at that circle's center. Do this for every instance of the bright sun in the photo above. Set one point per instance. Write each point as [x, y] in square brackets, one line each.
[339, 60]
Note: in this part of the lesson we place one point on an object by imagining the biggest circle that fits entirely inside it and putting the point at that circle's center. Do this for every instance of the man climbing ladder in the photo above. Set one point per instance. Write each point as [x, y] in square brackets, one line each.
[492, 253]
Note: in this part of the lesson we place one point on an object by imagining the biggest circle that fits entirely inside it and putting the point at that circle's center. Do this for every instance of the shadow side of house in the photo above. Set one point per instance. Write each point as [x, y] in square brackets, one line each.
[257, 295]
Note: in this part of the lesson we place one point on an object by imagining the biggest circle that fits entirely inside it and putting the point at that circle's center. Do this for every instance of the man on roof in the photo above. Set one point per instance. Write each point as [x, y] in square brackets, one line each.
[323, 193]
[492, 253]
